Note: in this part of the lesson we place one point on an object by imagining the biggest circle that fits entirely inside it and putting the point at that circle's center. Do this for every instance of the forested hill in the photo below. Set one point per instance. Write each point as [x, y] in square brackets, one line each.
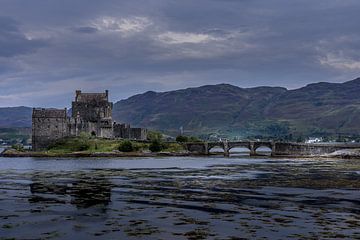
[316, 109]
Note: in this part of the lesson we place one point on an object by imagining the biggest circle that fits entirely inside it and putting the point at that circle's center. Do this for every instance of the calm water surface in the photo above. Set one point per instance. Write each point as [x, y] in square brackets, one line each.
[179, 198]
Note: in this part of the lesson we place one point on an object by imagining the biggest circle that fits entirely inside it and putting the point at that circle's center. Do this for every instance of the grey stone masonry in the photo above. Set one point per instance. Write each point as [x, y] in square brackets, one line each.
[127, 132]
[91, 113]
[48, 125]
[92, 107]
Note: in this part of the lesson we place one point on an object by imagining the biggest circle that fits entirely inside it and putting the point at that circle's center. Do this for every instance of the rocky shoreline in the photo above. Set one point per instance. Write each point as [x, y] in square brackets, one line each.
[345, 154]
[11, 153]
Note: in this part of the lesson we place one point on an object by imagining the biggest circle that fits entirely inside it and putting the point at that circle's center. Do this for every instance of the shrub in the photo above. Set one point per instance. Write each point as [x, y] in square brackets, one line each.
[182, 138]
[156, 146]
[84, 135]
[173, 147]
[194, 139]
[71, 144]
[82, 146]
[126, 146]
[152, 135]
[18, 147]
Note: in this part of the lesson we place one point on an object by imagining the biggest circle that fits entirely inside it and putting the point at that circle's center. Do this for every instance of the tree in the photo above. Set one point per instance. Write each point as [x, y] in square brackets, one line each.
[18, 147]
[152, 135]
[126, 146]
[182, 139]
[194, 139]
[156, 146]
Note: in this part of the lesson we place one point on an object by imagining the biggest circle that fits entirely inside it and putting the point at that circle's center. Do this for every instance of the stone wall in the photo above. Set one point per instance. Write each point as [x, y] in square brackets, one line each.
[121, 130]
[127, 132]
[106, 128]
[48, 125]
[138, 133]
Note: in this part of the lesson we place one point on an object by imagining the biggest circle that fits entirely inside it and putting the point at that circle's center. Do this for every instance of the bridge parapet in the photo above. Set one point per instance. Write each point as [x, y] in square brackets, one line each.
[277, 148]
[205, 147]
[198, 147]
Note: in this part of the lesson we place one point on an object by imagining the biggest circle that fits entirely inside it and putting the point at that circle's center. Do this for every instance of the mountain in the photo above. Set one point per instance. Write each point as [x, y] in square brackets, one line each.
[15, 117]
[316, 109]
[320, 107]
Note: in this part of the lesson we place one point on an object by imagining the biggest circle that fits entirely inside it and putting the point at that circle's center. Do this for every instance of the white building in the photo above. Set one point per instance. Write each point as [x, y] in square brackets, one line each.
[313, 140]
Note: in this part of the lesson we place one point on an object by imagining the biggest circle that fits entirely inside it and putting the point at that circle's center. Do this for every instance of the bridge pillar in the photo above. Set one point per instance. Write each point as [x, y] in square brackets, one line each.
[226, 149]
[273, 148]
[252, 149]
[206, 148]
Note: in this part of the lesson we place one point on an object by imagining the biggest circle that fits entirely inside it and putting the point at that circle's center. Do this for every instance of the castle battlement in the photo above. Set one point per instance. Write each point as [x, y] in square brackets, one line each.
[49, 113]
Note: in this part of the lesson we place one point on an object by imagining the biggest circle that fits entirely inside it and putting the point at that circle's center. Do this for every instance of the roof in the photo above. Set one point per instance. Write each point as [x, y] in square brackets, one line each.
[89, 97]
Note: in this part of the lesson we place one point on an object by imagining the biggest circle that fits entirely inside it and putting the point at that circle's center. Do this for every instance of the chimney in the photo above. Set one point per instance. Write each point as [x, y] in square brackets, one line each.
[107, 94]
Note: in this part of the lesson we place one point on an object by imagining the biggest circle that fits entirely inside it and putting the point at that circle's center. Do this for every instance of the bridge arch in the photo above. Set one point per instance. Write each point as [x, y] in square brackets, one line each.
[263, 148]
[239, 151]
[239, 148]
[263, 151]
[217, 145]
[225, 147]
[239, 144]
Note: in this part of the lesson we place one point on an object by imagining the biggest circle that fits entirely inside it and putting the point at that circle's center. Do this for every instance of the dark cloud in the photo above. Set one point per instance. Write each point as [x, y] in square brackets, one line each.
[13, 42]
[139, 45]
[85, 29]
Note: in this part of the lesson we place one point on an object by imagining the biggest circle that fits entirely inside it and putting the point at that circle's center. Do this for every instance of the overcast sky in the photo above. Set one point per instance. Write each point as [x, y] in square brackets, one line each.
[49, 48]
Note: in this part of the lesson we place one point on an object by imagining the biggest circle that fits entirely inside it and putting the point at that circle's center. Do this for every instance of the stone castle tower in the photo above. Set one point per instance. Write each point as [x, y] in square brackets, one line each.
[91, 113]
[48, 125]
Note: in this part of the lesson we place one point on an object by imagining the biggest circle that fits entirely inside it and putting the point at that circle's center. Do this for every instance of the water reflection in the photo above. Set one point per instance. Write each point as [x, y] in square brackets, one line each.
[179, 198]
[84, 192]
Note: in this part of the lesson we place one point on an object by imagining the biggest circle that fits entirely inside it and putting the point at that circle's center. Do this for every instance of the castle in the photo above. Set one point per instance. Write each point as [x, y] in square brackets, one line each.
[91, 113]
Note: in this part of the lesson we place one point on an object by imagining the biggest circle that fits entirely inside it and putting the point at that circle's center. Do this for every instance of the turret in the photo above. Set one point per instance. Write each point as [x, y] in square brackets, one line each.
[77, 94]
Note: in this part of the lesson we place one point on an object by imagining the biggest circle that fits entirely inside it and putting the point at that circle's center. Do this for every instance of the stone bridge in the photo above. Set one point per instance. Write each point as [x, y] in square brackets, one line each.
[277, 148]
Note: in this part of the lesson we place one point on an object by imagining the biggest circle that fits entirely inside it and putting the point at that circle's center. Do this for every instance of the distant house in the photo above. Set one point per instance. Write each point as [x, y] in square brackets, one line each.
[314, 140]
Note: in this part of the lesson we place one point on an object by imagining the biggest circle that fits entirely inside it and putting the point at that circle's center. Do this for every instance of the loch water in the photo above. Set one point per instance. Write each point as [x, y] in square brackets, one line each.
[179, 198]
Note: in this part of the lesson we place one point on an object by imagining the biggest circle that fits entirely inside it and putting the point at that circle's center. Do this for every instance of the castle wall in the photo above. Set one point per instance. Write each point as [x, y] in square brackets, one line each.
[127, 132]
[106, 128]
[91, 114]
[138, 133]
[48, 125]
[121, 130]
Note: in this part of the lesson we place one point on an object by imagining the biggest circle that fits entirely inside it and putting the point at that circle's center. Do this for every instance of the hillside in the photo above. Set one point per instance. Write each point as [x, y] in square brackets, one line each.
[316, 109]
[15, 117]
